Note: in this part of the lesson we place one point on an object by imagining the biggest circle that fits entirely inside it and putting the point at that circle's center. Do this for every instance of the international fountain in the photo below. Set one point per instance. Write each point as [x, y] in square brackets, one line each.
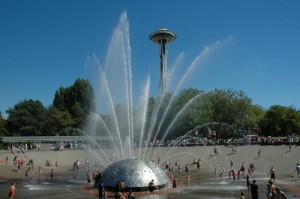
[136, 172]
[128, 153]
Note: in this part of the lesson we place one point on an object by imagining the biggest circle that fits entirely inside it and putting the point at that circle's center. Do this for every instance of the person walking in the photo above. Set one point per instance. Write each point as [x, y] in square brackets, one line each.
[254, 190]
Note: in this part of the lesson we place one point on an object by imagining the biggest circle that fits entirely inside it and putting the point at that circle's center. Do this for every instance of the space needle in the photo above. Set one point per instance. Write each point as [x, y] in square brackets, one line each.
[162, 37]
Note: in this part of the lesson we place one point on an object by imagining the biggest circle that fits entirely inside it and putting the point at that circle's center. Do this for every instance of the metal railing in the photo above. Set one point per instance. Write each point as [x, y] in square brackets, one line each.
[52, 139]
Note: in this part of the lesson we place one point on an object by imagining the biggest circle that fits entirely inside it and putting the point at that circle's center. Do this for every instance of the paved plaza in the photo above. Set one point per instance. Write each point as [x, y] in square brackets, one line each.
[204, 183]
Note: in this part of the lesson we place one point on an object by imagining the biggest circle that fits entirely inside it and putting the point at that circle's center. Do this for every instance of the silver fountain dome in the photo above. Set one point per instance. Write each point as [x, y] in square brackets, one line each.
[136, 173]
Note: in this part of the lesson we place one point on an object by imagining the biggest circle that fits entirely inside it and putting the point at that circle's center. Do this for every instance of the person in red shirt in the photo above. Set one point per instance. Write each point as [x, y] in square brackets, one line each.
[11, 192]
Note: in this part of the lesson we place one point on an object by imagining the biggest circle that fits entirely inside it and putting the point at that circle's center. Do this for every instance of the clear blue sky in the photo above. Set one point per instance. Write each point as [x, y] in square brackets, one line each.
[45, 44]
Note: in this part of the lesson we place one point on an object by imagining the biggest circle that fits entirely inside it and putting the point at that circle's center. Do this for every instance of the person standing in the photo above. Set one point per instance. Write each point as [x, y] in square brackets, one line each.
[272, 173]
[242, 169]
[52, 175]
[254, 190]
[101, 189]
[187, 168]
[198, 165]
[279, 194]
[105, 193]
[233, 149]
[151, 186]
[130, 195]
[248, 182]
[298, 170]
[31, 163]
[242, 196]
[269, 192]
[179, 168]
[233, 175]
[118, 195]
[187, 179]
[11, 192]
[259, 153]
[77, 165]
[19, 165]
[231, 165]
[15, 160]
[122, 186]
[88, 179]
[174, 183]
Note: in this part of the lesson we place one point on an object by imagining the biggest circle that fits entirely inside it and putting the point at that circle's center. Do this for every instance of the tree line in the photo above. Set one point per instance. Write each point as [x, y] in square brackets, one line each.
[229, 113]
[64, 117]
[219, 113]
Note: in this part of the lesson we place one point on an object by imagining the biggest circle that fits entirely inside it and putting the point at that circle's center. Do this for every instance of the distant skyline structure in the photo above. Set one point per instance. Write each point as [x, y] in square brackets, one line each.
[162, 37]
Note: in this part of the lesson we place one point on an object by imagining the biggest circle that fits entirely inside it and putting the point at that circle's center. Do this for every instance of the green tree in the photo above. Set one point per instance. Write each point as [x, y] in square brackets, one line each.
[26, 118]
[255, 116]
[242, 107]
[151, 103]
[3, 130]
[190, 103]
[60, 99]
[280, 121]
[78, 115]
[158, 116]
[82, 93]
[231, 108]
[77, 99]
[57, 121]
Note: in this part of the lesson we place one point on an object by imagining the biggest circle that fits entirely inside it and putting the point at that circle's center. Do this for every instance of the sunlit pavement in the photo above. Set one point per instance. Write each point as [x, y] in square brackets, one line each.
[205, 185]
[64, 186]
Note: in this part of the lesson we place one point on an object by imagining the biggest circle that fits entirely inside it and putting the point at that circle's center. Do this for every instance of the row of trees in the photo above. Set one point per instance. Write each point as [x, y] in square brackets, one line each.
[229, 113]
[223, 113]
[68, 112]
